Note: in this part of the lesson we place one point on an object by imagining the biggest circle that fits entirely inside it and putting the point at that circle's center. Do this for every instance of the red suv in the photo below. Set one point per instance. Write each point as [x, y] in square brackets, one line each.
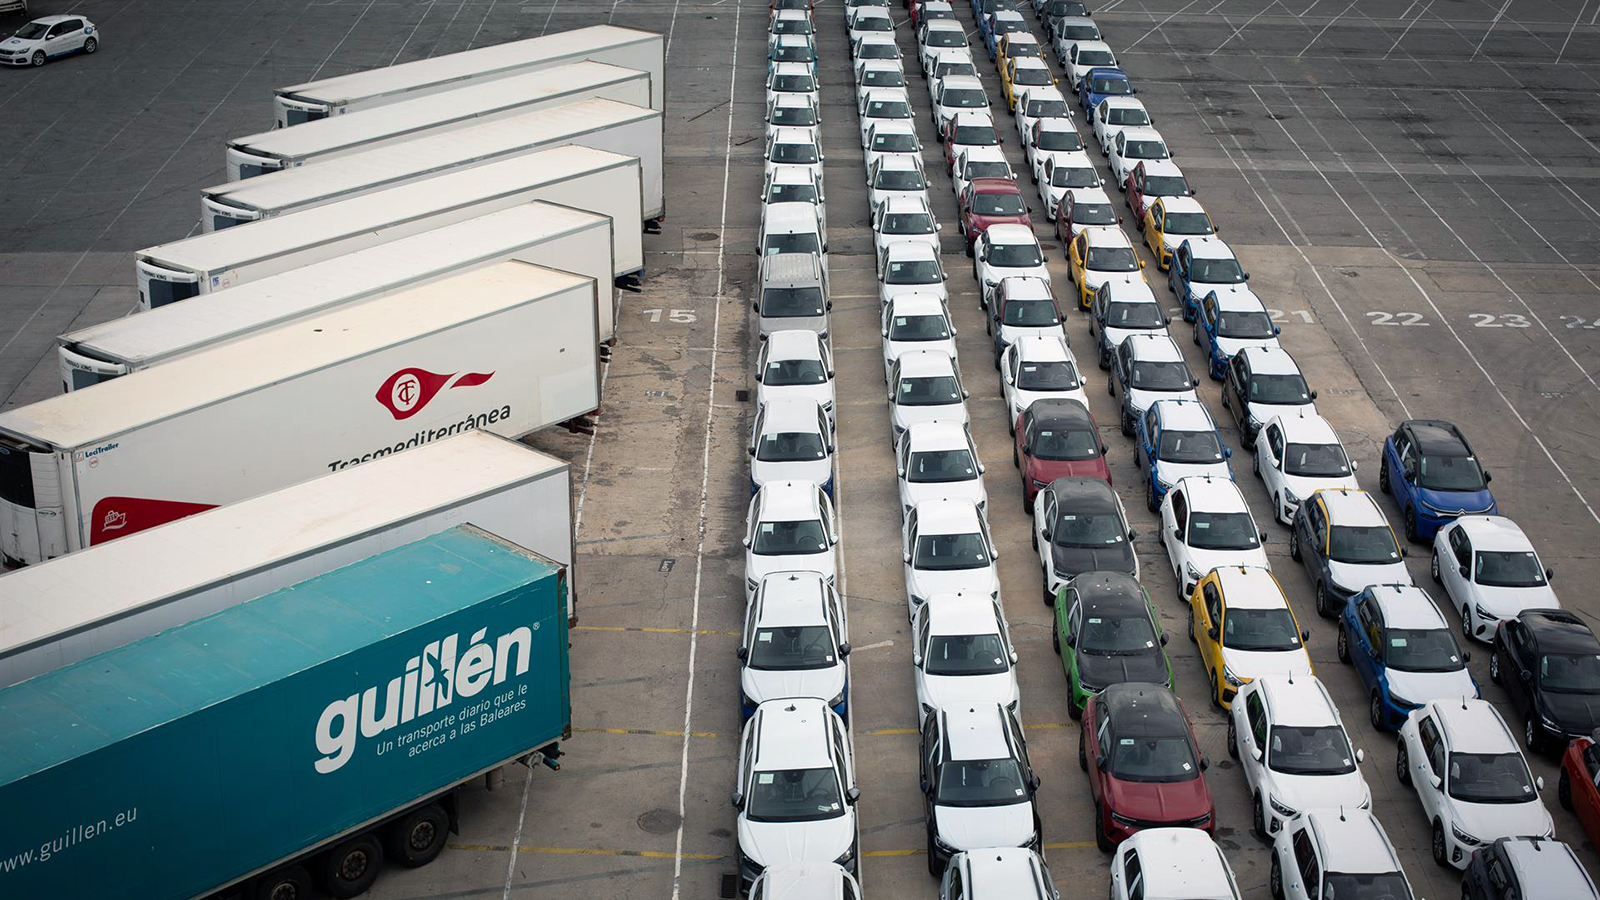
[1057, 438]
[990, 201]
[1143, 763]
[967, 129]
[1143, 188]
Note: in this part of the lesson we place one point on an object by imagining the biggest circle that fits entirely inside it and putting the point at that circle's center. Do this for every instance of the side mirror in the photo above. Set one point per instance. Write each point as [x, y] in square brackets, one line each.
[1404, 552]
[891, 396]
[1227, 452]
[755, 305]
[1247, 276]
[905, 558]
[1103, 447]
[1354, 465]
[1466, 654]
[737, 799]
[1213, 633]
[1133, 534]
[1205, 763]
[1167, 320]
[1277, 330]
[1487, 476]
[1163, 638]
[1255, 750]
[852, 795]
[1100, 763]
[750, 450]
[833, 538]
[1010, 379]
[1263, 535]
[829, 304]
[1437, 782]
[1141, 263]
[926, 784]
[743, 653]
[1463, 571]
[1044, 533]
[1026, 450]
[844, 649]
[965, 393]
[1119, 220]
[982, 468]
[1549, 574]
[745, 542]
[900, 471]
[1305, 635]
[1034, 782]
[1361, 756]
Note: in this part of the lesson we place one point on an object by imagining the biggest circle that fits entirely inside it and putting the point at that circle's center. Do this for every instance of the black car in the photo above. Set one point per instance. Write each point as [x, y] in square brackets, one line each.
[1523, 869]
[1549, 663]
[1259, 383]
[1083, 528]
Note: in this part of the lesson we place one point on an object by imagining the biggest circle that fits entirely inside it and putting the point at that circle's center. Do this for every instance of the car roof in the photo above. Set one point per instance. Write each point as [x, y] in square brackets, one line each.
[962, 81]
[897, 162]
[945, 55]
[947, 515]
[1106, 236]
[1060, 412]
[1546, 868]
[1438, 438]
[905, 204]
[1251, 587]
[792, 14]
[1302, 701]
[986, 154]
[1110, 592]
[975, 732]
[1270, 361]
[1306, 428]
[1042, 92]
[1026, 62]
[1042, 348]
[789, 214]
[791, 174]
[961, 613]
[1147, 346]
[1351, 507]
[1208, 247]
[916, 363]
[1353, 842]
[806, 881]
[1107, 72]
[903, 250]
[1473, 726]
[794, 343]
[1118, 101]
[1160, 167]
[792, 734]
[1178, 204]
[1011, 233]
[1006, 15]
[1084, 194]
[994, 184]
[1211, 493]
[945, 25]
[792, 68]
[791, 598]
[790, 269]
[1558, 630]
[1237, 298]
[786, 414]
[1144, 710]
[918, 304]
[1407, 606]
[876, 37]
[1055, 124]
[972, 118]
[1002, 872]
[1494, 533]
[1022, 37]
[1025, 287]
[787, 501]
[1130, 288]
[1179, 863]
[936, 435]
[792, 135]
[876, 12]
[1183, 415]
[1142, 133]
[51, 20]
[1083, 493]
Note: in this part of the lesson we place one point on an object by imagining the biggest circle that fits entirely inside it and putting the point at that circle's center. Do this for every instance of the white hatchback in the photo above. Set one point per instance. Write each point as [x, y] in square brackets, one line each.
[47, 38]
[898, 175]
[1039, 367]
[915, 322]
[1171, 862]
[882, 106]
[789, 526]
[791, 440]
[1297, 455]
[1205, 524]
[795, 364]
[979, 162]
[794, 643]
[935, 460]
[1132, 146]
[1490, 572]
[963, 657]
[1292, 746]
[1114, 114]
[945, 548]
[1005, 251]
[910, 267]
[903, 219]
[924, 386]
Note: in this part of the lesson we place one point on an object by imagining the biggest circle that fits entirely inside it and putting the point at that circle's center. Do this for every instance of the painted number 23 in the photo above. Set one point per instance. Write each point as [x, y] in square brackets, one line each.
[681, 316]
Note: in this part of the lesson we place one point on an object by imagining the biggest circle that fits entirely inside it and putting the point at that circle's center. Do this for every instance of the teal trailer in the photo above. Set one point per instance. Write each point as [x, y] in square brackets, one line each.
[299, 739]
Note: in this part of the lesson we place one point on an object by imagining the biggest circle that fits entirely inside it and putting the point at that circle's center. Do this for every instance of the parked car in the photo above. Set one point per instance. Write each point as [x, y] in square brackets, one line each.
[1111, 115]
[1152, 180]
[1328, 853]
[1205, 525]
[935, 460]
[1023, 306]
[1261, 383]
[1063, 176]
[911, 267]
[1013, 872]
[1035, 368]
[879, 106]
[1491, 573]
[946, 548]
[1399, 644]
[792, 111]
[965, 131]
[1006, 251]
[1079, 526]
[925, 386]
[1083, 56]
[903, 219]
[1057, 438]
[1122, 306]
[1145, 767]
[1345, 543]
[1105, 631]
[986, 202]
[1434, 477]
[977, 783]
[963, 657]
[892, 139]
[957, 94]
[1231, 318]
[973, 163]
[788, 527]
[794, 643]
[1291, 745]
[1579, 788]
[1097, 253]
[1176, 439]
[1079, 209]
[1100, 83]
[1171, 862]
[1200, 266]
[795, 364]
[822, 881]
[796, 184]
[794, 78]
[915, 322]
[1548, 661]
[791, 440]
[1169, 222]
[1241, 620]
[49, 37]
[1047, 138]
[1513, 868]
[895, 176]
[791, 21]
[1146, 367]
[1296, 456]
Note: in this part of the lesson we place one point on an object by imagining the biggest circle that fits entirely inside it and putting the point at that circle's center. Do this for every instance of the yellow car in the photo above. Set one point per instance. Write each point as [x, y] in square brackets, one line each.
[1016, 45]
[1017, 74]
[1096, 253]
[1169, 222]
[1245, 629]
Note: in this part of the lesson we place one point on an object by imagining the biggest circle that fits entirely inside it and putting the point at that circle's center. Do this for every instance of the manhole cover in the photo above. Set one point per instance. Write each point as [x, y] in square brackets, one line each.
[659, 821]
[704, 236]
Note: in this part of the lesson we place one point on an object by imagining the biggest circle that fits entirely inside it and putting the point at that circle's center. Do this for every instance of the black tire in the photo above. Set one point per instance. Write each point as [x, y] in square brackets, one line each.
[1564, 790]
[38, 58]
[1233, 739]
[91, 45]
[1127, 423]
[1341, 645]
[1494, 664]
[1411, 526]
[1383, 475]
[1324, 604]
[1100, 839]
[417, 838]
[1015, 460]
[1402, 762]
[1294, 543]
[351, 867]
[1191, 626]
[1275, 880]
[1433, 567]
[1533, 734]
[1049, 596]
[1055, 637]
[1258, 819]
[1027, 505]
[1150, 496]
[1083, 758]
[1216, 691]
[1466, 624]
[934, 868]
[288, 883]
[1074, 711]
[1440, 854]
[1375, 710]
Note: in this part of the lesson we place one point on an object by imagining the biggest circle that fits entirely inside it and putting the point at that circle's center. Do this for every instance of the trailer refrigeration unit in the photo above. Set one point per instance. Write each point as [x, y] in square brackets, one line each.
[69, 609]
[541, 233]
[601, 125]
[475, 103]
[509, 348]
[342, 94]
[300, 737]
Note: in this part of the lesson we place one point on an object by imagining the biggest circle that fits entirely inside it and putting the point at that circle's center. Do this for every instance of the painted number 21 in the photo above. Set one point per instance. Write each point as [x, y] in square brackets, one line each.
[681, 316]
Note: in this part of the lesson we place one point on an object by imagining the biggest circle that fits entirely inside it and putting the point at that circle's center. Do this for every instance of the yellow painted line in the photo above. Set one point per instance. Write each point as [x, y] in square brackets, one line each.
[618, 629]
[878, 732]
[584, 851]
[1042, 725]
[917, 852]
[644, 731]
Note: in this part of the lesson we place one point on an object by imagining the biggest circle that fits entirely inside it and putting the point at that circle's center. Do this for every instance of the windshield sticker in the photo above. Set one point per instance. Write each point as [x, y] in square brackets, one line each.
[764, 778]
[764, 637]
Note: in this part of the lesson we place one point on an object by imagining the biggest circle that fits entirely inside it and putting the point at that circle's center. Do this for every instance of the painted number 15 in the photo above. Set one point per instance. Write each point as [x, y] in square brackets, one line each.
[681, 316]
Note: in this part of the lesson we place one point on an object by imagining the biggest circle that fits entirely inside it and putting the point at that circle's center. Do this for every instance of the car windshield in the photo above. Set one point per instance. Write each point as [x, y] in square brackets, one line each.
[872, 23]
[1362, 545]
[1078, 32]
[1491, 778]
[1135, 315]
[802, 53]
[1144, 149]
[1166, 186]
[976, 136]
[928, 390]
[1059, 139]
[1222, 531]
[1009, 26]
[980, 782]
[1048, 109]
[1112, 259]
[1189, 446]
[1279, 390]
[1117, 635]
[1088, 530]
[919, 328]
[1127, 116]
[913, 271]
[883, 78]
[791, 446]
[866, 49]
[1216, 271]
[794, 372]
[1450, 473]
[1057, 375]
[1259, 629]
[1030, 314]
[792, 648]
[1153, 375]
[789, 538]
[931, 15]
[1244, 325]
[1154, 759]
[1073, 176]
[794, 795]
[778, 303]
[956, 68]
[966, 654]
[1422, 650]
[941, 467]
[944, 552]
[1365, 886]
[793, 82]
[1315, 461]
[987, 168]
[895, 143]
[1015, 256]
[1570, 673]
[1187, 223]
[1111, 87]
[908, 223]
[796, 154]
[997, 204]
[804, 242]
[792, 26]
[1096, 58]
[32, 31]
[1031, 75]
[900, 180]
[1093, 214]
[797, 116]
[1065, 444]
[792, 193]
[963, 97]
[944, 38]
[1309, 750]
[1509, 568]
[888, 109]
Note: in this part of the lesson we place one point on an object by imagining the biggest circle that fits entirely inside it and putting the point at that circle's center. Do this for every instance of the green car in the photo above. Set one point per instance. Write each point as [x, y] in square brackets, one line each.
[1105, 632]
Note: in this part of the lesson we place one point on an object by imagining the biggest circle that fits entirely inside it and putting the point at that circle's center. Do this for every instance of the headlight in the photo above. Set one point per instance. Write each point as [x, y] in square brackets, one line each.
[926, 708]
[916, 601]
[1463, 837]
[1164, 484]
[1040, 484]
[848, 856]
[1282, 810]
[1123, 820]
[1341, 589]
[837, 698]
[1231, 678]
[1291, 496]
[749, 869]
[1191, 571]
[751, 585]
[989, 284]
[1402, 702]
[1012, 706]
[942, 845]
[1484, 613]
[747, 700]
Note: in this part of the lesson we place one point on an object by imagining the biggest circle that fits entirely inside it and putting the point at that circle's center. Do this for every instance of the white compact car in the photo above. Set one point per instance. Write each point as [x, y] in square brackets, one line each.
[1470, 777]
[892, 139]
[791, 440]
[1022, 306]
[947, 63]
[1205, 524]
[1490, 572]
[935, 460]
[880, 106]
[1114, 114]
[1123, 305]
[795, 364]
[795, 789]
[1085, 55]
[1131, 147]
[794, 147]
[911, 267]
[1016, 873]
[794, 78]
[1293, 749]
[978, 784]
[1171, 862]
[796, 184]
[898, 175]
[794, 643]
[878, 73]
[915, 322]
[1038, 367]
[44, 39]
[869, 20]
[1329, 853]
[1048, 139]
[957, 94]
[924, 386]
[1037, 104]
[804, 880]
[946, 548]
[939, 36]
[963, 657]
[979, 162]
[1296, 456]
[875, 46]
[789, 526]
[903, 219]
[1006, 251]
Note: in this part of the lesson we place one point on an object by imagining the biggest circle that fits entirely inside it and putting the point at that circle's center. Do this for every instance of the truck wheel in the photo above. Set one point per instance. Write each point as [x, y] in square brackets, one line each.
[288, 883]
[414, 840]
[351, 866]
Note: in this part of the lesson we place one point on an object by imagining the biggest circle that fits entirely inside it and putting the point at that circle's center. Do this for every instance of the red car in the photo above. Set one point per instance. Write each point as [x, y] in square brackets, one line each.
[1580, 766]
[1151, 179]
[917, 13]
[1143, 763]
[967, 129]
[1056, 438]
[989, 201]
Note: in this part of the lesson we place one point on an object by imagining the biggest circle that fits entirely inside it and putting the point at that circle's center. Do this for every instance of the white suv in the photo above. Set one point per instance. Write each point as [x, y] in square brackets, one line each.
[903, 219]
[945, 547]
[1205, 524]
[1298, 455]
[1336, 853]
[936, 460]
[812, 881]
[1490, 572]
[915, 322]
[791, 440]
[924, 386]
[1015, 873]
[1291, 744]
[963, 656]
[789, 526]
[795, 641]
[795, 364]
[978, 784]
[1171, 862]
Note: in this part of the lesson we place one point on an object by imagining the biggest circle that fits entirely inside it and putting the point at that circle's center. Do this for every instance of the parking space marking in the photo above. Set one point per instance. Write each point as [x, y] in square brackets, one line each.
[580, 851]
[1158, 25]
[649, 732]
[1490, 30]
[646, 629]
[1240, 30]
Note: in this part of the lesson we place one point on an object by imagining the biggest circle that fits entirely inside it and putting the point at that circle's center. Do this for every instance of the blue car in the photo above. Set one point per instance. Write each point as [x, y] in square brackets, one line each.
[1177, 439]
[1433, 476]
[1404, 651]
[1199, 266]
[982, 8]
[1102, 82]
[1005, 21]
[1232, 318]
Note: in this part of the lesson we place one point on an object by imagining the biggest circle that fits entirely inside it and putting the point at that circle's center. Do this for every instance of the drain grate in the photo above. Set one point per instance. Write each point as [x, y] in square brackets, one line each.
[730, 885]
[742, 395]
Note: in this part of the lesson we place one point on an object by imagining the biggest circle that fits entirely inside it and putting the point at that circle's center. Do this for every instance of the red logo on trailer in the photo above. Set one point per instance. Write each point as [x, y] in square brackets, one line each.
[407, 391]
[114, 517]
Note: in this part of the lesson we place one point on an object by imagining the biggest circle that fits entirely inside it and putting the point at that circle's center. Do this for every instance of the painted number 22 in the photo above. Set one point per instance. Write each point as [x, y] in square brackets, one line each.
[1403, 318]
[681, 316]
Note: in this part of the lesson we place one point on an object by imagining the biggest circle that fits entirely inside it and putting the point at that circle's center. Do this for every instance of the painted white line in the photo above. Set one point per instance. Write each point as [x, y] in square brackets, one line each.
[880, 644]
[705, 467]
[351, 30]
[588, 456]
[1241, 28]
[516, 842]
[1157, 26]
[1324, 30]
[547, 18]
[393, 59]
[1488, 119]
[672, 26]
[1576, 19]
[1488, 31]
[1407, 30]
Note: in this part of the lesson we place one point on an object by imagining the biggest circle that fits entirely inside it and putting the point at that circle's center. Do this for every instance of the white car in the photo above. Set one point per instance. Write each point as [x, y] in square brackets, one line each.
[874, 45]
[945, 548]
[788, 527]
[1085, 55]
[970, 129]
[1123, 305]
[936, 9]
[794, 643]
[903, 219]
[1038, 367]
[895, 176]
[1345, 542]
[1160, 179]
[1404, 637]
[1027, 71]
[978, 784]
[1016, 873]
[794, 147]
[1114, 114]
[958, 94]
[47, 38]
[1006, 251]
[910, 267]
[915, 322]
[935, 460]
[938, 36]
[1023, 306]
[869, 20]
[806, 881]
[893, 139]
[924, 386]
[1490, 572]
[1131, 147]
[1205, 525]
[1232, 318]
[792, 111]
[791, 440]
[1036, 103]
[1148, 366]
[883, 105]
[1085, 208]
[796, 184]
[1470, 777]
[1176, 439]
[791, 21]
[795, 789]
[878, 73]
[1297, 455]
[1293, 749]
[1263, 382]
[792, 227]
[949, 63]
[963, 658]
[1346, 852]
[1051, 139]
[1064, 173]
[1172, 862]
[795, 365]
[979, 162]
[794, 78]
[1208, 263]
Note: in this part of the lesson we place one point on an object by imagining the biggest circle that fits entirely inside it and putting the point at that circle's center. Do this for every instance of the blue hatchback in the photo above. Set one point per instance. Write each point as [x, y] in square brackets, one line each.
[1433, 475]
[1404, 651]
[1100, 83]
[1232, 318]
[1178, 439]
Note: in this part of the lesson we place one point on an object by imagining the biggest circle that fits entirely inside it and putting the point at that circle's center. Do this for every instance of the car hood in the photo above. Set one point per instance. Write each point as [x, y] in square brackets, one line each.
[1021, 400]
[1170, 472]
[1253, 664]
[1575, 713]
[821, 393]
[979, 582]
[1487, 821]
[969, 691]
[1070, 561]
[1159, 802]
[1206, 560]
[1505, 602]
[1469, 501]
[757, 567]
[1010, 334]
[1230, 346]
[1304, 792]
[770, 843]
[1048, 470]
[1420, 687]
[818, 471]
[1356, 577]
[14, 42]
[823, 684]
[971, 827]
[1142, 399]
[906, 416]
[971, 489]
[996, 273]
[1304, 486]
[1262, 413]
[982, 222]
[888, 292]
[1104, 671]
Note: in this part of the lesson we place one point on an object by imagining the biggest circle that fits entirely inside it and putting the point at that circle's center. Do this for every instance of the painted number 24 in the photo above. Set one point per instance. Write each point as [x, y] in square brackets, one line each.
[681, 316]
